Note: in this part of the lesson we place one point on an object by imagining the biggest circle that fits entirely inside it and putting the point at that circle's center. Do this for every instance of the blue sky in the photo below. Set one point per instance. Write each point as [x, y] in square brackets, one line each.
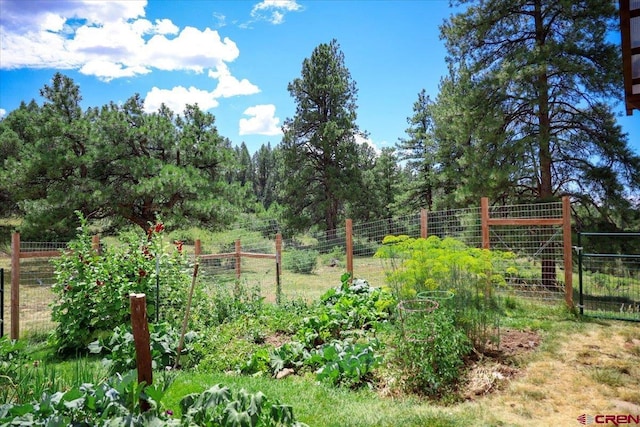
[234, 58]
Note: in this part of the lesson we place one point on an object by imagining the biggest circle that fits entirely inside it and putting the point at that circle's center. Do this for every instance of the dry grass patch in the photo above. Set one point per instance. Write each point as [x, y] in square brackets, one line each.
[588, 372]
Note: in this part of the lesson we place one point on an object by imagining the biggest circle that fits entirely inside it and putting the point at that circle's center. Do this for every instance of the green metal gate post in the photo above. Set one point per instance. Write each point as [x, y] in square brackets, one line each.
[579, 249]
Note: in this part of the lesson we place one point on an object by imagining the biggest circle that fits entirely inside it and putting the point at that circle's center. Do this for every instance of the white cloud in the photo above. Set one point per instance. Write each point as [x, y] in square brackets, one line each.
[219, 19]
[273, 11]
[165, 26]
[262, 122]
[105, 39]
[289, 5]
[28, 16]
[178, 97]
[108, 70]
[3, 112]
[229, 85]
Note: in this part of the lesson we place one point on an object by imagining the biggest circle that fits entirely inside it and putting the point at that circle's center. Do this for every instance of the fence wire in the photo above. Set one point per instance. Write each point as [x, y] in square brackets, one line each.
[610, 275]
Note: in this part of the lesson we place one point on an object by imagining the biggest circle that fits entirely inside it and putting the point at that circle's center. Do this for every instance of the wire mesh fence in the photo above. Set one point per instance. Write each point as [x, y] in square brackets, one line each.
[609, 276]
[539, 248]
[313, 262]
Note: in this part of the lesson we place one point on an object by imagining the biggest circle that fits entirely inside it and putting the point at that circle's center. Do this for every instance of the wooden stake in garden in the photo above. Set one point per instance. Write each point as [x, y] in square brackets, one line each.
[142, 342]
[186, 315]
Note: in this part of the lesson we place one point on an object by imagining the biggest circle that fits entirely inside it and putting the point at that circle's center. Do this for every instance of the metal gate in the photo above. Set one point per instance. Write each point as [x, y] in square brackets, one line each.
[609, 275]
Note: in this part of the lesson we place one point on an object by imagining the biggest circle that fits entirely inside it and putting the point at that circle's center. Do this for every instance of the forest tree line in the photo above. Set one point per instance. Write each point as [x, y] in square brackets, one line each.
[525, 114]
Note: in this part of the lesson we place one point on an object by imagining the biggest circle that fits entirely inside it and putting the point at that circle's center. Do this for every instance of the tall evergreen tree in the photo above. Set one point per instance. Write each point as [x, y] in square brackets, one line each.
[264, 161]
[319, 148]
[541, 75]
[418, 149]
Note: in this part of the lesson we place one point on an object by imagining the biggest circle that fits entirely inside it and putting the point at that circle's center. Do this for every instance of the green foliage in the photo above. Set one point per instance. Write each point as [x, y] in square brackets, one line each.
[345, 363]
[92, 288]
[334, 340]
[164, 339]
[117, 162]
[449, 266]
[227, 301]
[319, 151]
[506, 97]
[438, 264]
[300, 261]
[344, 310]
[220, 406]
[430, 351]
[228, 346]
[12, 358]
[114, 402]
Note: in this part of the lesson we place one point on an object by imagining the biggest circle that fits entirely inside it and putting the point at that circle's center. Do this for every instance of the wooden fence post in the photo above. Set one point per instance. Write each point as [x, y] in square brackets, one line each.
[568, 251]
[423, 223]
[95, 243]
[142, 342]
[278, 268]
[349, 238]
[238, 259]
[15, 286]
[197, 248]
[484, 218]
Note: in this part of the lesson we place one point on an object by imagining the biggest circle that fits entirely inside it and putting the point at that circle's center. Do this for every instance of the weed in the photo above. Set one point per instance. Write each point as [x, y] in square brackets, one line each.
[611, 376]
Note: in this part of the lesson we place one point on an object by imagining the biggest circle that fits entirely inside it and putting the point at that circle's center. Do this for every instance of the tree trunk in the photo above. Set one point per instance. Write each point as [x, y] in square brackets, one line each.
[545, 189]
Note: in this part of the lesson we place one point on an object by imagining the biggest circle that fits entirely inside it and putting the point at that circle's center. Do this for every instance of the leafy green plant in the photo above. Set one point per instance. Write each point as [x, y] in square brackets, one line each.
[121, 353]
[114, 402]
[432, 265]
[345, 309]
[300, 261]
[92, 288]
[345, 363]
[336, 338]
[220, 406]
[431, 354]
[12, 359]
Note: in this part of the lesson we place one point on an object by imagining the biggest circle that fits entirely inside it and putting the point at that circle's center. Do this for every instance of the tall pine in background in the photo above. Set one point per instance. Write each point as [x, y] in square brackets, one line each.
[539, 81]
[319, 145]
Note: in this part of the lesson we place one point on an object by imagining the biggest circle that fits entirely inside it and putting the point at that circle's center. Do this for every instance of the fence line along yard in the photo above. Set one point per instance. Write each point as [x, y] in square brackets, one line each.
[305, 266]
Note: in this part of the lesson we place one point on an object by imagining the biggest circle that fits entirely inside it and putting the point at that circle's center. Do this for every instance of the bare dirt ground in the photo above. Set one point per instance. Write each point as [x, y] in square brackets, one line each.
[541, 379]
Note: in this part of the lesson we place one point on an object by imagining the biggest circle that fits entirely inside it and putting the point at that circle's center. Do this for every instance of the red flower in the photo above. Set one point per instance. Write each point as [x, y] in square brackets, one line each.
[178, 244]
[142, 273]
[146, 253]
[159, 227]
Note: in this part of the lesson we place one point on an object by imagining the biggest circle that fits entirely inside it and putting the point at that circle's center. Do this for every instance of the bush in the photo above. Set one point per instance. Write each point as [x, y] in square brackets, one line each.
[431, 355]
[93, 289]
[301, 261]
[434, 265]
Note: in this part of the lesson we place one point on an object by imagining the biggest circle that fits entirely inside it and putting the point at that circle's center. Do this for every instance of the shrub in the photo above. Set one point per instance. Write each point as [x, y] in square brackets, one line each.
[432, 354]
[447, 265]
[92, 288]
[301, 261]
[220, 406]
